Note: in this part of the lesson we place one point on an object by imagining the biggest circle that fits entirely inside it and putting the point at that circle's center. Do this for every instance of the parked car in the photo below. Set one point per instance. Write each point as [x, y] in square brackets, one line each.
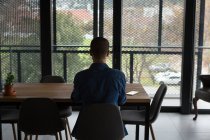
[171, 78]
[160, 67]
[167, 73]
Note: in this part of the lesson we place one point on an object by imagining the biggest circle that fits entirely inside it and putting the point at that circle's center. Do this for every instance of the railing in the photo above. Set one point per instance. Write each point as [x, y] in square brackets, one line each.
[15, 55]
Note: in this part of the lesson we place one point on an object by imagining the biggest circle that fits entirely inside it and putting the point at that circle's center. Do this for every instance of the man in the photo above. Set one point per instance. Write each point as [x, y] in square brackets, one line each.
[99, 83]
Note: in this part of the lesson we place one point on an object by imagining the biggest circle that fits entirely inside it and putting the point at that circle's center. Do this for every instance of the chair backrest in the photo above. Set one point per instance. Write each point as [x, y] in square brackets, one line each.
[52, 79]
[100, 121]
[156, 102]
[39, 116]
[205, 79]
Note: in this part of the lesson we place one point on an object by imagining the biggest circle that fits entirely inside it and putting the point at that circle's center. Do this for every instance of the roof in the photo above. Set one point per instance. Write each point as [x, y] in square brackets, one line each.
[80, 14]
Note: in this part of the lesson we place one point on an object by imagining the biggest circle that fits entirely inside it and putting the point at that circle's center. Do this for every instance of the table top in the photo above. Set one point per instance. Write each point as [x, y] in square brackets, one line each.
[61, 92]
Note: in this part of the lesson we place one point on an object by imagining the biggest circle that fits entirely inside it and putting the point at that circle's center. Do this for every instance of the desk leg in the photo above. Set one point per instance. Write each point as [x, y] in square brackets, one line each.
[147, 115]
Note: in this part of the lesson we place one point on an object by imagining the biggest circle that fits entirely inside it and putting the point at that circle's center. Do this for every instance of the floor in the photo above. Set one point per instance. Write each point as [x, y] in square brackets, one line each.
[168, 126]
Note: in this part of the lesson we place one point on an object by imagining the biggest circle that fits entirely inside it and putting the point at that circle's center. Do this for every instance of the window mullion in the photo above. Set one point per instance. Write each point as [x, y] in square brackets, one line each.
[101, 18]
[95, 18]
[160, 25]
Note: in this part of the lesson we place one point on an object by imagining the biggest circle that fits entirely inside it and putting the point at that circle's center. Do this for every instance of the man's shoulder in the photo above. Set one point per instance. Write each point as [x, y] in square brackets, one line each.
[116, 72]
[83, 72]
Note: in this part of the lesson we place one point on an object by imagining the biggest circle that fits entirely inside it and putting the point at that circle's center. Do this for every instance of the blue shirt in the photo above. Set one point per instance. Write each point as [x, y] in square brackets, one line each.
[99, 84]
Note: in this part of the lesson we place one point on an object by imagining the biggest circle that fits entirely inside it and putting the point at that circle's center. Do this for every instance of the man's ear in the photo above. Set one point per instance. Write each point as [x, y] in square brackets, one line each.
[91, 53]
[107, 53]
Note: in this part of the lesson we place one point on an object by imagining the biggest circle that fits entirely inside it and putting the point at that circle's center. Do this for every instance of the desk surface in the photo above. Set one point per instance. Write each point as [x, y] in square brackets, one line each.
[61, 92]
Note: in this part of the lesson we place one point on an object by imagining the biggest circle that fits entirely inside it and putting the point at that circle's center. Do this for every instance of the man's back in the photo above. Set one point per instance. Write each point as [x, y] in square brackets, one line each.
[99, 84]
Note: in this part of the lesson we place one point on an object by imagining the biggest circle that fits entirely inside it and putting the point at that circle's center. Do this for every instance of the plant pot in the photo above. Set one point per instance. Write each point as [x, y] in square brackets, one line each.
[9, 90]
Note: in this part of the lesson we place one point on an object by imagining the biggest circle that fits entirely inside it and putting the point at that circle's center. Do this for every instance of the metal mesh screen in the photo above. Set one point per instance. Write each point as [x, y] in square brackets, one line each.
[152, 44]
[197, 23]
[202, 50]
[206, 39]
[153, 68]
[108, 27]
[207, 25]
[20, 39]
[205, 62]
[74, 22]
[108, 20]
[140, 22]
[30, 70]
[58, 63]
[75, 63]
[74, 32]
[172, 23]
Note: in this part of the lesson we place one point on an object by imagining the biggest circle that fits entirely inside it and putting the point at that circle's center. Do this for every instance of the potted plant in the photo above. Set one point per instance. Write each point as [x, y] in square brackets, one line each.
[8, 86]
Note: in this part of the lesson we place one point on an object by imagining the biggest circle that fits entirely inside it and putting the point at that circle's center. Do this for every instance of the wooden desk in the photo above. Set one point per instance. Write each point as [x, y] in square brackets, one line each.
[61, 93]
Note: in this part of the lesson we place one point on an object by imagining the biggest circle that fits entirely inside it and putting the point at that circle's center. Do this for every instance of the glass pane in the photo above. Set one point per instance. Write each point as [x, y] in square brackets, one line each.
[74, 32]
[20, 39]
[172, 23]
[151, 58]
[108, 20]
[74, 22]
[138, 28]
[108, 26]
[202, 50]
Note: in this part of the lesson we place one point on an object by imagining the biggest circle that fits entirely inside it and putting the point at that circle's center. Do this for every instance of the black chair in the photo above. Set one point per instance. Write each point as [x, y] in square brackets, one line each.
[40, 116]
[202, 93]
[100, 122]
[10, 116]
[64, 111]
[52, 79]
[137, 117]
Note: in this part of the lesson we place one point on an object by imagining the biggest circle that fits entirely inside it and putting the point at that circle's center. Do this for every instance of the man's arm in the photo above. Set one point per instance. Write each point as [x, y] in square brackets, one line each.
[75, 96]
[122, 96]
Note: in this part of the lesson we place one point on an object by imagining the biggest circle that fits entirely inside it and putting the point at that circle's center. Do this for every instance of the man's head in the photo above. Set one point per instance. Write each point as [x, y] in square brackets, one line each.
[99, 48]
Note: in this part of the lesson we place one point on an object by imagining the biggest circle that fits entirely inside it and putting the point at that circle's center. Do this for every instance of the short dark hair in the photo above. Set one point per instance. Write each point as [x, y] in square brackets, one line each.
[99, 47]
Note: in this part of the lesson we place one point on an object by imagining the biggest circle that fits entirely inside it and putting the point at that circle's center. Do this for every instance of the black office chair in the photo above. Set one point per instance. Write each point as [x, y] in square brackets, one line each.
[10, 116]
[100, 122]
[137, 117]
[64, 111]
[52, 79]
[40, 116]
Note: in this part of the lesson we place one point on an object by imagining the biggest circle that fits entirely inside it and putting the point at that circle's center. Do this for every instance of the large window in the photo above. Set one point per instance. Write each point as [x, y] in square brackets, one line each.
[152, 45]
[152, 40]
[73, 31]
[20, 39]
[202, 45]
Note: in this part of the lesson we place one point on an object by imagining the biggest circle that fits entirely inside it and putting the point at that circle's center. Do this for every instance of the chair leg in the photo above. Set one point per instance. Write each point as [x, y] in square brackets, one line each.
[60, 135]
[26, 137]
[66, 133]
[152, 132]
[30, 137]
[36, 137]
[137, 132]
[195, 100]
[56, 136]
[19, 133]
[14, 132]
[67, 122]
